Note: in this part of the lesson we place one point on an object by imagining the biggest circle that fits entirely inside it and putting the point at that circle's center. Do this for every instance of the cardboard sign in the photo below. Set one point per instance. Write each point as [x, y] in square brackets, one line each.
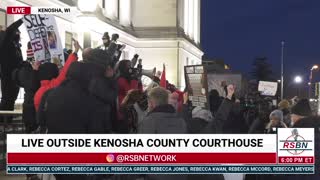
[268, 88]
[196, 82]
[44, 38]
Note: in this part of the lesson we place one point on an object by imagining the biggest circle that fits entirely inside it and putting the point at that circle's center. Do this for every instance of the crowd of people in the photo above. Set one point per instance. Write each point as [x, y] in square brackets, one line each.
[102, 94]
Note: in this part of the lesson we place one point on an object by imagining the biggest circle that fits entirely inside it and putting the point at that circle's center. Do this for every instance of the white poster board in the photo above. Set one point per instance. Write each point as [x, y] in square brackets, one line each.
[44, 38]
[268, 88]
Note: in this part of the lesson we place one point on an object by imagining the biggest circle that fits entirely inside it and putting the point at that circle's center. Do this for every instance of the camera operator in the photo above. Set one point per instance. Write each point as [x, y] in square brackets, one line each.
[113, 49]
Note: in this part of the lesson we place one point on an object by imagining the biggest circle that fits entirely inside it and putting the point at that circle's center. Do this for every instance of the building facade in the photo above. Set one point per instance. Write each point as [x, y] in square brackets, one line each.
[160, 31]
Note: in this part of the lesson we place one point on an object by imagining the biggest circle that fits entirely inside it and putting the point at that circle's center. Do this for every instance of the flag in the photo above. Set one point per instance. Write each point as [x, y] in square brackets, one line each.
[163, 80]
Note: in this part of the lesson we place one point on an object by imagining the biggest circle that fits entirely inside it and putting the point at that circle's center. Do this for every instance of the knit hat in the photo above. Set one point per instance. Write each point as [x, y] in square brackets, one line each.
[200, 113]
[277, 114]
[99, 57]
[106, 36]
[302, 108]
[48, 71]
[30, 54]
[284, 104]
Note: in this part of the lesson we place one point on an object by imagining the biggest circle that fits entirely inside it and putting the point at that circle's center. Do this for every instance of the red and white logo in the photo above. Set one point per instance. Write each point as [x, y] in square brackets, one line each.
[296, 145]
[18, 10]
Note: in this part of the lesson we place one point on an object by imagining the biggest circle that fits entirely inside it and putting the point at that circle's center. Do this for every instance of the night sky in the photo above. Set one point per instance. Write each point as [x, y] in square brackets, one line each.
[240, 30]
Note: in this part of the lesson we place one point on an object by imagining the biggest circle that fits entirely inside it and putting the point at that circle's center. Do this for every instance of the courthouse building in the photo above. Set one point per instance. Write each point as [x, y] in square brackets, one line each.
[160, 31]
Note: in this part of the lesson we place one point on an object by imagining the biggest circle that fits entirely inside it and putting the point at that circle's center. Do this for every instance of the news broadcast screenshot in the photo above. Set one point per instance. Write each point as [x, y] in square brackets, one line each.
[159, 90]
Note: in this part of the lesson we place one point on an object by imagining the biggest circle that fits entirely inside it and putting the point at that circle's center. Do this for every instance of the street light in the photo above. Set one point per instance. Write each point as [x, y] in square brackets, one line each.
[282, 66]
[298, 79]
[314, 67]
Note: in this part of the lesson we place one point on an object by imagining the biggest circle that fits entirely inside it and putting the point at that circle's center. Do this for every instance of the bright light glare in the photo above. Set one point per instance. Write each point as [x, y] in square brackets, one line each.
[298, 79]
[87, 6]
[315, 67]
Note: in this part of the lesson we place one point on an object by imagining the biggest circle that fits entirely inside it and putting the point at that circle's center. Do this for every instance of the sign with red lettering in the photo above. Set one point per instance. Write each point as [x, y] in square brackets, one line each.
[296, 145]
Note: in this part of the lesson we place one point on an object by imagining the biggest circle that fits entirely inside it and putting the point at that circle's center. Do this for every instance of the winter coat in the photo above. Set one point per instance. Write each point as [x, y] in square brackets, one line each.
[228, 119]
[106, 89]
[194, 125]
[197, 126]
[71, 108]
[26, 78]
[49, 84]
[11, 55]
[163, 120]
[286, 117]
[125, 85]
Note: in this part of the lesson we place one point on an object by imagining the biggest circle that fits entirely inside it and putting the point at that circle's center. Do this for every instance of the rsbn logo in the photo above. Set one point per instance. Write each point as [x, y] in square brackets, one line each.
[295, 144]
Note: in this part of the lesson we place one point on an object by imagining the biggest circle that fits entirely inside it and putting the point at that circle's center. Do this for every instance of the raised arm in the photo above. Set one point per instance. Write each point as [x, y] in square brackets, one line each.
[62, 75]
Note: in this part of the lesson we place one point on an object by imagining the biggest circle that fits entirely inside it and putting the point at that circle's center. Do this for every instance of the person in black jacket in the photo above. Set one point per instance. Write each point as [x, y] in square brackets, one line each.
[11, 57]
[26, 77]
[73, 107]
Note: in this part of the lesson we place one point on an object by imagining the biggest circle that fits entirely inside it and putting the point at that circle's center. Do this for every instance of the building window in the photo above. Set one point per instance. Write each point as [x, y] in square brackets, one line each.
[111, 9]
[68, 40]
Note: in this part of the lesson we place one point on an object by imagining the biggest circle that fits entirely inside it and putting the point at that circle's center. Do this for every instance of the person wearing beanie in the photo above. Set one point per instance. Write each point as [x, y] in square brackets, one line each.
[300, 110]
[106, 40]
[276, 121]
[50, 77]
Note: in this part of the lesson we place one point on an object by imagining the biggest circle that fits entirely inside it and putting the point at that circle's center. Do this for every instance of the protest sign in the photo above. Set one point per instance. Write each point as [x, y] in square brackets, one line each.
[268, 88]
[44, 38]
[196, 82]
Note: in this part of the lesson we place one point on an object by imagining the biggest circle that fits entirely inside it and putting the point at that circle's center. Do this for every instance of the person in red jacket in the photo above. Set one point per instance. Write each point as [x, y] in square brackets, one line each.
[50, 77]
[126, 82]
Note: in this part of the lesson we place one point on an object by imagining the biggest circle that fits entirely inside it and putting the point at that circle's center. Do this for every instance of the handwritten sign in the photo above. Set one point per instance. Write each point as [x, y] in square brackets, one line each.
[44, 38]
[268, 88]
[196, 82]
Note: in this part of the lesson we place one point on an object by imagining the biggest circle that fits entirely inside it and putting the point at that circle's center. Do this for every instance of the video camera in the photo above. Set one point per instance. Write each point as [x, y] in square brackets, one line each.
[112, 48]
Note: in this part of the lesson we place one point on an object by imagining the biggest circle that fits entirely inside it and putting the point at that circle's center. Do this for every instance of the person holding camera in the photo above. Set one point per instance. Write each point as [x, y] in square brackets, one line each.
[111, 47]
